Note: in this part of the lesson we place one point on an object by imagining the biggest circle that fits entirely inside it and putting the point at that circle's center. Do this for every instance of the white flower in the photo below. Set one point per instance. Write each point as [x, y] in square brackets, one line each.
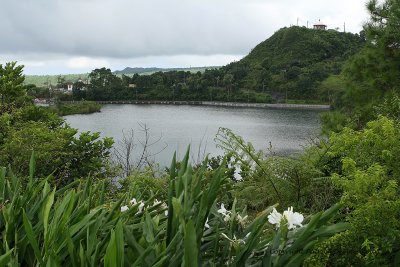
[124, 208]
[241, 219]
[222, 210]
[226, 218]
[156, 202]
[133, 201]
[293, 218]
[166, 213]
[206, 225]
[141, 206]
[237, 176]
[275, 217]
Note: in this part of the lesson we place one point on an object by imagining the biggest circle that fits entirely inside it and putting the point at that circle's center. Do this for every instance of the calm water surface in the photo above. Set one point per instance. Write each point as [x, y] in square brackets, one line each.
[178, 126]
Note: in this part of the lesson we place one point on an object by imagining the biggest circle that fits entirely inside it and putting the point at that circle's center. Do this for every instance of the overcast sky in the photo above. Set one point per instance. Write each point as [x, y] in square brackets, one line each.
[75, 36]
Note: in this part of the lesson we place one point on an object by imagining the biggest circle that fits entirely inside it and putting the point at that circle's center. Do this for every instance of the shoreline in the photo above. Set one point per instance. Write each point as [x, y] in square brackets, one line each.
[220, 104]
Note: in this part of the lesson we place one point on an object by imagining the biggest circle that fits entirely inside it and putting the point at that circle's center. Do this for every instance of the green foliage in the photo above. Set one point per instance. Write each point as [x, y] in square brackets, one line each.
[78, 226]
[37, 92]
[145, 185]
[12, 89]
[390, 107]
[333, 121]
[292, 62]
[81, 107]
[49, 144]
[267, 180]
[26, 128]
[59, 149]
[372, 75]
[364, 165]
[104, 85]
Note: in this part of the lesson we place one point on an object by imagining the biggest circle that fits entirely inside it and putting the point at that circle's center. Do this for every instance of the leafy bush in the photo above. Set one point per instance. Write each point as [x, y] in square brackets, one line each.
[80, 107]
[365, 167]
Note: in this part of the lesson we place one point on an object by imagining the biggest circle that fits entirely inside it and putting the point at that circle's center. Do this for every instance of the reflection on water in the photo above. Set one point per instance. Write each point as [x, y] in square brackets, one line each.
[179, 126]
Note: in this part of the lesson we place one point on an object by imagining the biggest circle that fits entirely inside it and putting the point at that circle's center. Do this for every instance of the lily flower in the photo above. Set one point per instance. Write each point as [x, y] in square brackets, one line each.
[293, 219]
[206, 225]
[222, 210]
[275, 217]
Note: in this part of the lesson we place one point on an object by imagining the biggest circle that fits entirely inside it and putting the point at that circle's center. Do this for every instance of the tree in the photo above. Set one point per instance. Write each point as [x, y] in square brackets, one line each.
[374, 71]
[104, 85]
[12, 89]
[228, 80]
[61, 82]
[79, 91]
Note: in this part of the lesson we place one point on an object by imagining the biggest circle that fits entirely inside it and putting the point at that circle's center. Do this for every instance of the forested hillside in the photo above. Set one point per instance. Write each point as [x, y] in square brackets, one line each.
[294, 60]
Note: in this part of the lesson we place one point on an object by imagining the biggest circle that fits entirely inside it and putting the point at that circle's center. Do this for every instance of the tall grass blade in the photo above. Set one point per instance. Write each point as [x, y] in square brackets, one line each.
[31, 237]
[32, 167]
[190, 243]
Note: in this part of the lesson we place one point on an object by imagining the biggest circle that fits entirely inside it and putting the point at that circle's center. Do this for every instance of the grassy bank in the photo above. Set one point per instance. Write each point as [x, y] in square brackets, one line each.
[81, 107]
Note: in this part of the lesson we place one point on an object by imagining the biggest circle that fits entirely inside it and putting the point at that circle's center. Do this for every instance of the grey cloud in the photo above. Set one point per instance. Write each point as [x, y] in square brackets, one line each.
[133, 28]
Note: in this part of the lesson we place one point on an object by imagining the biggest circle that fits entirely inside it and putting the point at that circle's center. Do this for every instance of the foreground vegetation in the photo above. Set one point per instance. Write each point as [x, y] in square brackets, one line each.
[339, 201]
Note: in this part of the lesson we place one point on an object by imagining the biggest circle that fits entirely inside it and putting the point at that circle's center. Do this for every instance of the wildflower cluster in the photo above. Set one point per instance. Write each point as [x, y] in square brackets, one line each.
[133, 202]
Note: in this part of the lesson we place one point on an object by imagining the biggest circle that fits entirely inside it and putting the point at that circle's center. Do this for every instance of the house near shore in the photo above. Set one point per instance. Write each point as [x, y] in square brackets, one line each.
[70, 86]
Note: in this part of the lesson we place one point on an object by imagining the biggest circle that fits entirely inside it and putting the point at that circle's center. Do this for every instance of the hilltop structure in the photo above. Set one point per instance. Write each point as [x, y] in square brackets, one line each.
[320, 25]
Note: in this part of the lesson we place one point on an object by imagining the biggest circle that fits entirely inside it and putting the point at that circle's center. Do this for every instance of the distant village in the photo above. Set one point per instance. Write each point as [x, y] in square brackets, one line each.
[67, 86]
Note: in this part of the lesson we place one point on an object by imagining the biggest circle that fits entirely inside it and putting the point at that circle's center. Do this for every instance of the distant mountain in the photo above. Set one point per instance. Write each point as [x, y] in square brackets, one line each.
[129, 70]
[294, 60]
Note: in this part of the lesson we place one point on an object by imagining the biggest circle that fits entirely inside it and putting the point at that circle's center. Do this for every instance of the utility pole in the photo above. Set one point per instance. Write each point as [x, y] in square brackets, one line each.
[344, 27]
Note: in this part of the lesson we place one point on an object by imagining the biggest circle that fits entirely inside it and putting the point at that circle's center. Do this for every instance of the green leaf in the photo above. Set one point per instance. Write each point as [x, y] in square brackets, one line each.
[190, 243]
[172, 177]
[31, 237]
[114, 256]
[48, 203]
[5, 258]
[32, 166]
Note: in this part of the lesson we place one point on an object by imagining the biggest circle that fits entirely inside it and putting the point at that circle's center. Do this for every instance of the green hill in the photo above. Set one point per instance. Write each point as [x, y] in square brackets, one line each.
[293, 61]
[45, 80]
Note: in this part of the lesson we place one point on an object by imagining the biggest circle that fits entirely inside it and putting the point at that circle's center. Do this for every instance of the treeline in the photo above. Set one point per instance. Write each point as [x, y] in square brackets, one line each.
[211, 85]
[291, 65]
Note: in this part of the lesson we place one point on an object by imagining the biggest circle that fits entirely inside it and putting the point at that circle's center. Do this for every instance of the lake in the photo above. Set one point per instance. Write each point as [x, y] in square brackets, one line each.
[172, 128]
